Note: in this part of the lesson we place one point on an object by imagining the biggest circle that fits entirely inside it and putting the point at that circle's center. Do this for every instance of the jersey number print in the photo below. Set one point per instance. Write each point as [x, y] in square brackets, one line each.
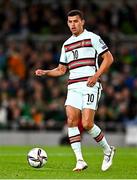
[75, 54]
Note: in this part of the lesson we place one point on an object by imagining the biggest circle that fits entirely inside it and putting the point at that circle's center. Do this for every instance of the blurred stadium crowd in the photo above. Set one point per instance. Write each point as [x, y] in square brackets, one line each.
[28, 102]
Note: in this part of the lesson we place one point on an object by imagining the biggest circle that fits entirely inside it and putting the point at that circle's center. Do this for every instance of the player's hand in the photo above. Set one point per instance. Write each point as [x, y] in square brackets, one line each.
[40, 72]
[92, 81]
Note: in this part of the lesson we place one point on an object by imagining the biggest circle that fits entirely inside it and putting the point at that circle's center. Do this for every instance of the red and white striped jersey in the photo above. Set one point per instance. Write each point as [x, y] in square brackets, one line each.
[80, 55]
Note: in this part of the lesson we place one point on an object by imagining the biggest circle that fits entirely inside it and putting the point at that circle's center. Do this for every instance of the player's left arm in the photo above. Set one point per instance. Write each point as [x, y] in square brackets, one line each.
[107, 60]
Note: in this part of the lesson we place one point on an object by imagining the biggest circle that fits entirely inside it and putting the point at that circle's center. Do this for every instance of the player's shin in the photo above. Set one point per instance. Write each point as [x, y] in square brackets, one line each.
[75, 141]
[99, 137]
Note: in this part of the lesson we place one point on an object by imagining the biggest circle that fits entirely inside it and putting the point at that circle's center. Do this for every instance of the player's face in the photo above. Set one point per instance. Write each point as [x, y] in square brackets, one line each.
[75, 24]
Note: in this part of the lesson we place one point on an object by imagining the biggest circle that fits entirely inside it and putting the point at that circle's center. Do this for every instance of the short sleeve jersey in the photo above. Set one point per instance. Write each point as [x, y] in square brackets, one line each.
[80, 55]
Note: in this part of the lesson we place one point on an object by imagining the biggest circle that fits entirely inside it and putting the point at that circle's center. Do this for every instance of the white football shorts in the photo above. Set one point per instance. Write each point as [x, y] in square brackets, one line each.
[84, 97]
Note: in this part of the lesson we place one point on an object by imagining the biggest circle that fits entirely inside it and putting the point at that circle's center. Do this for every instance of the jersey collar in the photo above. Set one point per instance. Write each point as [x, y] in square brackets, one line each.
[80, 34]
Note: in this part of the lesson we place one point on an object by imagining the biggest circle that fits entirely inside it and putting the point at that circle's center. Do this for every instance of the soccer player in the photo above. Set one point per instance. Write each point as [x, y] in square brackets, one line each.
[80, 56]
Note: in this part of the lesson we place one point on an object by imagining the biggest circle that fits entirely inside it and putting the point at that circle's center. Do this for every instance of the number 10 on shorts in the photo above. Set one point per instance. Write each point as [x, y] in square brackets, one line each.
[90, 98]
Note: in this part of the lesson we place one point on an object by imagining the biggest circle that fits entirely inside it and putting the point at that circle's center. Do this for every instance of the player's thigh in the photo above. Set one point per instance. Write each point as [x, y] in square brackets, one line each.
[88, 118]
[73, 115]
[74, 99]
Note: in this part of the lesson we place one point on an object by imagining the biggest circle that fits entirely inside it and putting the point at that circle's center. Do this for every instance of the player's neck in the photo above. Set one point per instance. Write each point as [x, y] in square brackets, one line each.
[77, 34]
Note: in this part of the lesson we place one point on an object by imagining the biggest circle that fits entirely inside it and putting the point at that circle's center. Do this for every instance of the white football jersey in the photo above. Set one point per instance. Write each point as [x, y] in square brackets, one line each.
[80, 55]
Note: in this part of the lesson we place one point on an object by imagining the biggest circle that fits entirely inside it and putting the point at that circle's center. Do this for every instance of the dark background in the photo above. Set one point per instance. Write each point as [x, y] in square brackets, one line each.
[31, 36]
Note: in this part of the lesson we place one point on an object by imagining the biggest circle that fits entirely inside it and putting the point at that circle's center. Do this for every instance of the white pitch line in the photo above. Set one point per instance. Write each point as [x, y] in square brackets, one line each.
[62, 154]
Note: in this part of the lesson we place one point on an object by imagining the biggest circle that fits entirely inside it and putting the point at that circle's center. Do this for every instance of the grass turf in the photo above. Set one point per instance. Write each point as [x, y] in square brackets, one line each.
[61, 161]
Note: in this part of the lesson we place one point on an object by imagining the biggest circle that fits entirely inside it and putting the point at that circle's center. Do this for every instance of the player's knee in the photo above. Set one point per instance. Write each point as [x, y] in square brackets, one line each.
[87, 124]
[72, 122]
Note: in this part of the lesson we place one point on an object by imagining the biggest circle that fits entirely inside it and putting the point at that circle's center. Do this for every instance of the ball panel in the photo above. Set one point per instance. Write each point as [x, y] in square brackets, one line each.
[32, 163]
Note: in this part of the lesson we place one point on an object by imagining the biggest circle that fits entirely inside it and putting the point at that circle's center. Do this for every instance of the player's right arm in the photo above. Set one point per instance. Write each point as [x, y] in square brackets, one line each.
[59, 71]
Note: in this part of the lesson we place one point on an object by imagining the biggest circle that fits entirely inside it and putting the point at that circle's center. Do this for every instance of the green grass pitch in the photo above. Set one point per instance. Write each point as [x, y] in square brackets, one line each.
[61, 161]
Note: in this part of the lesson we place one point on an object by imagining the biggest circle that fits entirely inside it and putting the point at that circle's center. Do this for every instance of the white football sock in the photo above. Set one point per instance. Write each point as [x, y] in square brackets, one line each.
[100, 138]
[74, 137]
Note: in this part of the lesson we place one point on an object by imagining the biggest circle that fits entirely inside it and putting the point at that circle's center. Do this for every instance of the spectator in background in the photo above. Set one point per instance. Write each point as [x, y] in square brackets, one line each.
[16, 66]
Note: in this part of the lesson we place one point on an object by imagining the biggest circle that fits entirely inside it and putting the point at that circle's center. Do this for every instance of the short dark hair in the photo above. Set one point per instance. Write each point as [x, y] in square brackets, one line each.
[76, 12]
